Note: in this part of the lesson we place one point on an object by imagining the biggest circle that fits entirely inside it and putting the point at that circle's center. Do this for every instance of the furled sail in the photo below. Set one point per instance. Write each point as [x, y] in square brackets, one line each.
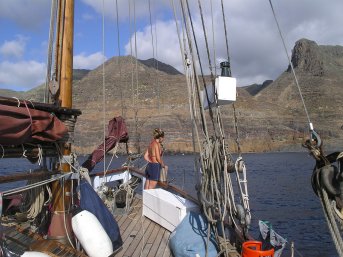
[21, 125]
[116, 133]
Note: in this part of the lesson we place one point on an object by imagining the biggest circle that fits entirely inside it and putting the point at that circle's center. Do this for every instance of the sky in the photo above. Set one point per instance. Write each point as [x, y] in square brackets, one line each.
[255, 48]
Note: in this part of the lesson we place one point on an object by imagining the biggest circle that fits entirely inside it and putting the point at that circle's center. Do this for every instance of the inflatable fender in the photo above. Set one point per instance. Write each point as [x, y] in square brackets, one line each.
[34, 254]
[91, 234]
[328, 175]
[240, 214]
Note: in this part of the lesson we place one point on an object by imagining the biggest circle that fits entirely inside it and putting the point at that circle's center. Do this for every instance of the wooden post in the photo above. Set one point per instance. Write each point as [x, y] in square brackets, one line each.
[62, 196]
[67, 56]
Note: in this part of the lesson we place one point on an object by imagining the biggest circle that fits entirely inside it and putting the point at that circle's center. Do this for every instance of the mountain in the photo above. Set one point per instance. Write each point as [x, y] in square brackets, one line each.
[37, 93]
[12, 93]
[319, 70]
[255, 88]
[153, 63]
[270, 117]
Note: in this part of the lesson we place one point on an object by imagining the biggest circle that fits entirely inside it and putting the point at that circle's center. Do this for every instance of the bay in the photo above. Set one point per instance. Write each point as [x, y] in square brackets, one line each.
[280, 192]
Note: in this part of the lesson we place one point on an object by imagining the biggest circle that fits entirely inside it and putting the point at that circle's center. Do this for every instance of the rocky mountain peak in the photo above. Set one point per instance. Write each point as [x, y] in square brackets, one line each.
[156, 64]
[317, 60]
[307, 57]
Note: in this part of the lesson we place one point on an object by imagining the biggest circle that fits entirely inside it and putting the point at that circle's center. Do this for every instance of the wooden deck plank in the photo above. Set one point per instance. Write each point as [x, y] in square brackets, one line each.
[153, 236]
[135, 243]
[132, 230]
[136, 219]
[141, 242]
[133, 217]
[22, 239]
[144, 252]
[164, 243]
[122, 218]
[158, 243]
[136, 232]
[167, 252]
[150, 240]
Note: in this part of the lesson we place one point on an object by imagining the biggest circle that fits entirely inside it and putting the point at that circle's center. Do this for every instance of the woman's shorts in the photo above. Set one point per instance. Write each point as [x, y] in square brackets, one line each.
[152, 171]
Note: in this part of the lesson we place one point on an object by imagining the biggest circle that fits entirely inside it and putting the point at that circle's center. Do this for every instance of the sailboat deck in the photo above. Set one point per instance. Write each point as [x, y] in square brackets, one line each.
[142, 236]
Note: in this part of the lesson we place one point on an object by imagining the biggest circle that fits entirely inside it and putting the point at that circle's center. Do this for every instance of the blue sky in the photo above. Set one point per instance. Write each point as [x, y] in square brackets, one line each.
[256, 50]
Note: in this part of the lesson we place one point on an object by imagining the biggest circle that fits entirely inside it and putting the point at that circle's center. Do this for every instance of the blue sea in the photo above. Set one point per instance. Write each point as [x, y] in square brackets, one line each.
[280, 192]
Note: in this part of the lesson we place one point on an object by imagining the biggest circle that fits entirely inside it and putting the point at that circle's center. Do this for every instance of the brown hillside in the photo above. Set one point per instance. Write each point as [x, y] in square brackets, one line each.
[319, 70]
[270, 117]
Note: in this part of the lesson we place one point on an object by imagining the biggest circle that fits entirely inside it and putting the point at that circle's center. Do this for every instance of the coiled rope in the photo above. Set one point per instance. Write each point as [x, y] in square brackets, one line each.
[215, 190]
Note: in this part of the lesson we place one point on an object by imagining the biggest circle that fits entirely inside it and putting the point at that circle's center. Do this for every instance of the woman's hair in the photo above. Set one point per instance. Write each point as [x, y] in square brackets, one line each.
[158, 133]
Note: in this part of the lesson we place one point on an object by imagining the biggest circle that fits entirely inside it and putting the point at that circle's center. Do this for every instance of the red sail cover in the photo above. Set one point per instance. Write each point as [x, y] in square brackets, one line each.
[19, 125]
[117, 132]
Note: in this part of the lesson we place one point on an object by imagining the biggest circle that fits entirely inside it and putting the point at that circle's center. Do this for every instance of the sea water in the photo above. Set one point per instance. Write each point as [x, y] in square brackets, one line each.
[280, 192]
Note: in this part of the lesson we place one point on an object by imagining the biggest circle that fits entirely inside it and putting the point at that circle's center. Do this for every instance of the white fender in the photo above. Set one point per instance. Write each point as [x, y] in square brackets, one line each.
[91, 234]
[34, 254]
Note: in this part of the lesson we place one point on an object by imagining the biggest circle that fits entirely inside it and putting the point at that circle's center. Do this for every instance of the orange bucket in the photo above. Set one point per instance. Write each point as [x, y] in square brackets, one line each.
[253, 249]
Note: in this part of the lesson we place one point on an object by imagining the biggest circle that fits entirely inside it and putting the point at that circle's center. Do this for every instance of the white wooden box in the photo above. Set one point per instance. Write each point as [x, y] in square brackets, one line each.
[226, 92]
[166, 208]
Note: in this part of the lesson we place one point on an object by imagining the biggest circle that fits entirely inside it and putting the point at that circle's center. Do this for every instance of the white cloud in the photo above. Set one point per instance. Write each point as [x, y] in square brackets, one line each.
[82, 61]
[167, 48]
[14, 48]
[22, 75]
[255, 48]
[25, 13]
[127, 8]
[256, 51]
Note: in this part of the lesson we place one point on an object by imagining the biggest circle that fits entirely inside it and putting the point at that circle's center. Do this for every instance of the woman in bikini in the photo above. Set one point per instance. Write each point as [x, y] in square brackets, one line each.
[153, 156]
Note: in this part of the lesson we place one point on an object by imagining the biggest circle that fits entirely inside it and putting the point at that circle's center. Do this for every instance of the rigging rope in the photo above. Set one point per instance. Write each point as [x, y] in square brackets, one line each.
[188, 23]
[213, 39]
[190, 87]
[330, 219]
[226, 37]
[131, 55]
[157, 86]
[291, 65]
[58, 52]
[119, 63]
[136, 55]
[50, 46]
[216, 188]
[103, 84]
[206, 42]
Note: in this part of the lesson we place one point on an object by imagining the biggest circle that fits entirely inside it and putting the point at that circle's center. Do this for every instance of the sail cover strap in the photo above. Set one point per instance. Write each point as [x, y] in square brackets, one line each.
[21, 125]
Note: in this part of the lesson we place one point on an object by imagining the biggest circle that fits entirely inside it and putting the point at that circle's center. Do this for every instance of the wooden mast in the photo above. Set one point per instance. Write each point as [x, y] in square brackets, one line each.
[67, 56]
[62, 196]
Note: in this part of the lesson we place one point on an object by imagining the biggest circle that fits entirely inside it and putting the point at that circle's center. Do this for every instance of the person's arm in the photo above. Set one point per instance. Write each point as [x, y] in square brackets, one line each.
[158, 155]
[146, 155]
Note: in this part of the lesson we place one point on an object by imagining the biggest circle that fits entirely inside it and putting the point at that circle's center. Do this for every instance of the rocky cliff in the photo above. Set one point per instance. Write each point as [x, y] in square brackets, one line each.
[271, 117]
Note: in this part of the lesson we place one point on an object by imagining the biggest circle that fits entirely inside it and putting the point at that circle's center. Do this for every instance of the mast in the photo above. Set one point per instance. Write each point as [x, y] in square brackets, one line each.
[62, 193]
[65, 96]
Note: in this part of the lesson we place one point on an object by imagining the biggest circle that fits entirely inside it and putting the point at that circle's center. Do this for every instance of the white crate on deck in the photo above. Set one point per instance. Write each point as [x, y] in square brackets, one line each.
[226, 92]
[166, 208]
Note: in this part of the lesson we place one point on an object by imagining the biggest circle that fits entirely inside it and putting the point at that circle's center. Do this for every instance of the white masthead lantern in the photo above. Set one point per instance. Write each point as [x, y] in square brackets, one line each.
[225, 88]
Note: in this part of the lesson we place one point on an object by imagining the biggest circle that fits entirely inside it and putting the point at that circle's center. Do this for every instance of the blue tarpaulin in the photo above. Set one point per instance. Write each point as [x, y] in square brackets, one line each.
[91, 202]
[190, 237]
